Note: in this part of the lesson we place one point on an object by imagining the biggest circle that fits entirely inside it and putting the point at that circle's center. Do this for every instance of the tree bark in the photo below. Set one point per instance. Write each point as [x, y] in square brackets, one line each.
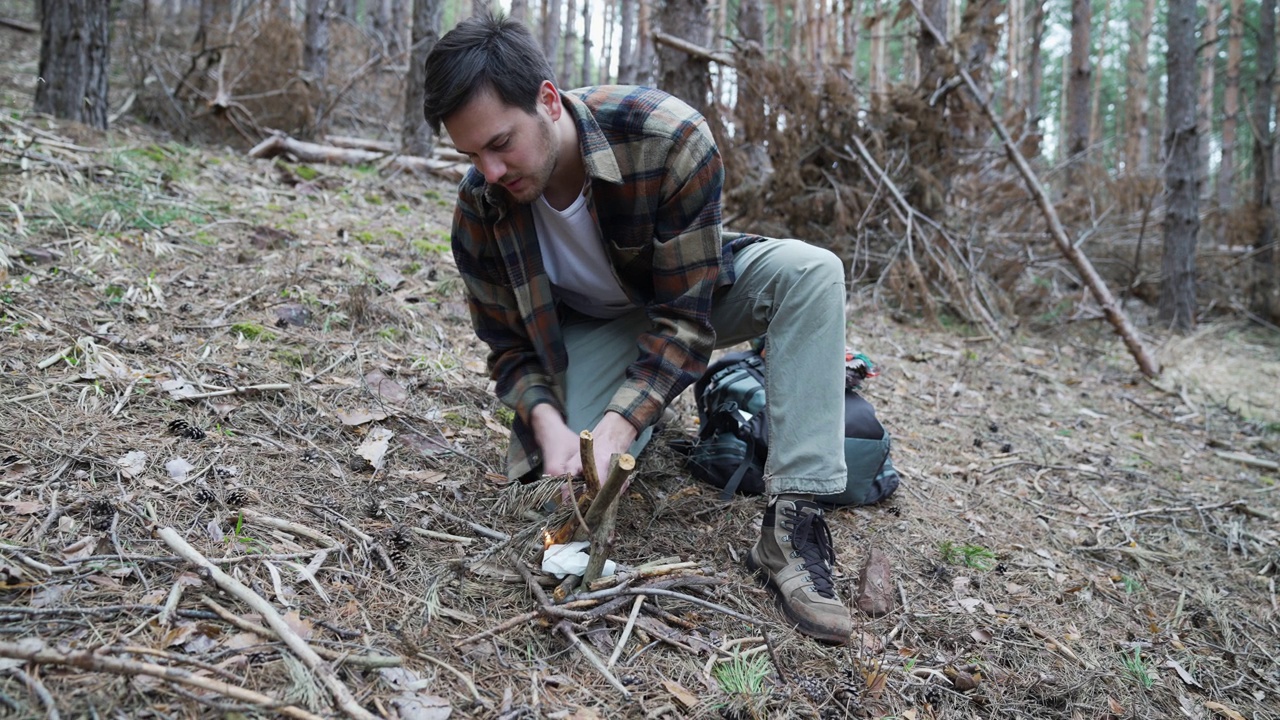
[1078, 83]
[878, 70]
[587, 44]
[1263, 293]
[849, 36]
[344, 9]
[750, 108]
[1204, 116]
[626, 48]
[520, 10]
[1095, 105]
[570, 42]
[74, 44]
[1035, 80]
[681, 74]
[416, 135]
[1137, 126]
[644, 43]
[551, 31]
[1230, 110]
[1182, 218]
[315, 49]
[1013, 57]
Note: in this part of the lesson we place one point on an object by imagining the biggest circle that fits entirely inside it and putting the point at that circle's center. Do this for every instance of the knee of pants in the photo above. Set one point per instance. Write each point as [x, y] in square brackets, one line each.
[818, 266]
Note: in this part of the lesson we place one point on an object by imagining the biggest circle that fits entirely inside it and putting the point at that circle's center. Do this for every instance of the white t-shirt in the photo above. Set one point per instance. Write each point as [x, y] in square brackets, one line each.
[574, 257]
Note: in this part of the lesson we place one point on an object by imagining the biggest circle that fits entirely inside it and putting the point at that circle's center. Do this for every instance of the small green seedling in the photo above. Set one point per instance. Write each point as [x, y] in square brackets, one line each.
[249, 543]
[1138, 669]
[741, 675]
[973, 556]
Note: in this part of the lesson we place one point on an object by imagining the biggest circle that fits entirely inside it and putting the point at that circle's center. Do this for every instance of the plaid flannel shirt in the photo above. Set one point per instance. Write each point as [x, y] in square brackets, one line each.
[655, 178]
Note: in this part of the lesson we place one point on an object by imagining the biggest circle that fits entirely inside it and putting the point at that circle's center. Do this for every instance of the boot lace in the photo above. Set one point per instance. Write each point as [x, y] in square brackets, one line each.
[811, 539]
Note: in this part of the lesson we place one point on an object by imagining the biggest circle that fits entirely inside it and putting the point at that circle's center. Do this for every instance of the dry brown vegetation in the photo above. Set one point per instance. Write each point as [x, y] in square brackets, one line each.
[1070, 540]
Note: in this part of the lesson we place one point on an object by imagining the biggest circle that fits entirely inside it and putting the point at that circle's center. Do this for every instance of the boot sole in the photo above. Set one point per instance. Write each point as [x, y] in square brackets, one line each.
[801, 624]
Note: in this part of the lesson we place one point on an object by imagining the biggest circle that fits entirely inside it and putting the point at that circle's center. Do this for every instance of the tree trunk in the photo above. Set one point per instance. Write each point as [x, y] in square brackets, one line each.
[551, 31]
[849, 38]
[74, 41]
[878, 72]
[1078, 83]
[626, 48]
[480, 7]
[1264, 288]
[1095, 105]
[1182, 219]
[931, 65]
[1204, 116]
[520, 10]
[570, 42]
[1137, 125]
[1035, 80]
[750, 107]
[315, 48]
[610, 22]
[1230, 111]
[416, 135]
[586, 43]
[644, 52]
[681, 74]
[1013, 58]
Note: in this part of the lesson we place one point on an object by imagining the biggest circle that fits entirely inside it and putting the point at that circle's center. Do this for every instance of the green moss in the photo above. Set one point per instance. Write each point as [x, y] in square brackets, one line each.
[252, 331]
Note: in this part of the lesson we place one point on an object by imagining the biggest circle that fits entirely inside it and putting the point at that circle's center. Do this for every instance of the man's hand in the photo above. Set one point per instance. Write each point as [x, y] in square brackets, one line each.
[559, 444]
[614, 434]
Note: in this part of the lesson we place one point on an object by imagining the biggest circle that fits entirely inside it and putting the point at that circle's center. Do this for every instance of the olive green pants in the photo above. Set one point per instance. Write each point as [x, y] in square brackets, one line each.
[787, 289]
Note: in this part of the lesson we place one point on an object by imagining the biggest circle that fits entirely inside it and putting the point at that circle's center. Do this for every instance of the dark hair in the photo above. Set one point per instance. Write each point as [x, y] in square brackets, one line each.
[484, 51]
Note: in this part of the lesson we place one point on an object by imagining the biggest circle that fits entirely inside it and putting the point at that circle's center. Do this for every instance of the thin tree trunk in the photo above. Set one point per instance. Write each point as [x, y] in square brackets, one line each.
[626, 49]
[74, 44]
[551, 30]
[416, 135]
[1137, 126]
[480, 7]
[683, 75]
[1204, 116]
[586, 43]
[610, 23]
[878, 73]
[1182, 219]
[570, 41]
[520, 10]
[1035, 79]
[1264, 256]
[1078, 84]
[849, 39]
[1230, 111]
[645, 51]
[315, 49]
[1013, 58]
[750, 108]
[1095, 105]
[927, 47]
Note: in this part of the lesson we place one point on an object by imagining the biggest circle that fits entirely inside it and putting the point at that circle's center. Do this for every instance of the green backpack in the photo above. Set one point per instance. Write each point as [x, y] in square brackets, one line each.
[733, 436]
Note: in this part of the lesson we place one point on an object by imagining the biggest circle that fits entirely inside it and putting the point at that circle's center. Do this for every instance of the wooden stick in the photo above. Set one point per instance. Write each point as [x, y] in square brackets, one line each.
[567, 631]
[603, 521]
[236, 391]
[1097, 286]
[370, 661]
[20, 26]
[696, 51]
[1247, 459]
[626, 631]
[345, 700]
[434, 535]
[587, 452]
[288, 526]
[37, 652]
[1167, 510]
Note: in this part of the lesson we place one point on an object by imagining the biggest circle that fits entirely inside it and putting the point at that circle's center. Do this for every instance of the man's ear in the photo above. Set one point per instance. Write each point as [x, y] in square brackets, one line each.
[549, 98]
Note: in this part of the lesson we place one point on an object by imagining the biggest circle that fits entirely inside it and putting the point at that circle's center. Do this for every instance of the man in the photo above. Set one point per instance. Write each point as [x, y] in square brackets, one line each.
[589, 236]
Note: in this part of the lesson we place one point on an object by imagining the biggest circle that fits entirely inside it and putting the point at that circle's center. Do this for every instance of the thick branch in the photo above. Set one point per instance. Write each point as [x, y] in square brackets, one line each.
[695, 50]
[603, 521]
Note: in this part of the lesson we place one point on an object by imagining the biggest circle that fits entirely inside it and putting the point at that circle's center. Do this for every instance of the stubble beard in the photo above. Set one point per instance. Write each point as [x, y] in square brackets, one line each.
[536, 184]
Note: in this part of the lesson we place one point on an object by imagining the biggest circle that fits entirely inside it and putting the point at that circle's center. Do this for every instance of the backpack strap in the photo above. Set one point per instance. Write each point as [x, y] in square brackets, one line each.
[745, 433]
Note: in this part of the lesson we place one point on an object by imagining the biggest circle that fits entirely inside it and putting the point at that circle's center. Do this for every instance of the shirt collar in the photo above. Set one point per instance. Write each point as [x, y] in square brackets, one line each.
[597, 154]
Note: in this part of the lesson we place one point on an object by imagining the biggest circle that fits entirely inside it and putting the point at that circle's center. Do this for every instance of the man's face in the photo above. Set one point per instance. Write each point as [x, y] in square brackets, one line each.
[510, 147]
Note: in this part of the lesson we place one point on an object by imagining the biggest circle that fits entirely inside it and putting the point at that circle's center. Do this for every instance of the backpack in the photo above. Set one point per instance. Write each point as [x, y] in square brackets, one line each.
[733, 436]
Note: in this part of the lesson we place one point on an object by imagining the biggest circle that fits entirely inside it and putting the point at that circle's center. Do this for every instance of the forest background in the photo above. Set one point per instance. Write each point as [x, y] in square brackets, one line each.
[230, 325]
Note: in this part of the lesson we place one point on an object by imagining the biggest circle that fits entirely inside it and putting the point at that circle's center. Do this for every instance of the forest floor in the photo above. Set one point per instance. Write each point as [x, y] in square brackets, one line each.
[1069, 541]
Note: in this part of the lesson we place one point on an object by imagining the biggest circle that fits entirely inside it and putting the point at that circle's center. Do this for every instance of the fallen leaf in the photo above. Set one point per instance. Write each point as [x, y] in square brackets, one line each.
[241, 640]
[19, 507]
[424, 445]
[178, 469]
[585, 713]
[970, 604]
[1223, 710]
[476, 366]
[178, 388]
[981, 635]
[385, 388]
[875, 588]
[299, 626]
[359, 416]
[1116, 707]
[132, 464]
[178, 634]
[1182, 672]
[683, 696]
[374, 447]
[426, 477]
[496, 426]
[80, 549]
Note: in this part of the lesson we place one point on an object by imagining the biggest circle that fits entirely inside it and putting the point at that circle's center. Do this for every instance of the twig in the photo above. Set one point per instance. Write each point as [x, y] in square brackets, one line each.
[587, 452]
[40, 691]
[457, 673]
[1056, 644]
[36, 651]
[236, 391]
[499, 628]
[290, 527]
[305, 653]
[434, 535]
[602, 516]
[696, 601]
[1165, 511]
[626, 631]
[485, 531]
[773, 655]
[1246, 459]
[564, 629]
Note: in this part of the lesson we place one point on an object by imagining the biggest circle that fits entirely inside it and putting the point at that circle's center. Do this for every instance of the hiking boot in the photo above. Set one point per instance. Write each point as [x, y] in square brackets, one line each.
[794, 557]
